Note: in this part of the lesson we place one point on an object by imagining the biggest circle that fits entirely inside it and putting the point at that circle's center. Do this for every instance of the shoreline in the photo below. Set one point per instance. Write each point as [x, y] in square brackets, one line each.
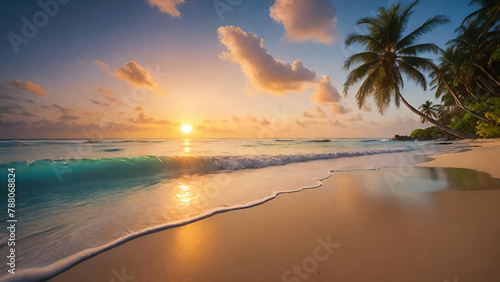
[80, 265]
[480, 158]
[182, 245]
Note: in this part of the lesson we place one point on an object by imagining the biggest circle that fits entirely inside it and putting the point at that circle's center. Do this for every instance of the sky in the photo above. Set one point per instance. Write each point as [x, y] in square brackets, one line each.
[229, 68]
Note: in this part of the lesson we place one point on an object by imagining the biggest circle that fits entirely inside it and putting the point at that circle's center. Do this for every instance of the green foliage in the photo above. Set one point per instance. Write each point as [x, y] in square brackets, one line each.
[427, 134]
[417, 133]
[491, 108]
[466, 124]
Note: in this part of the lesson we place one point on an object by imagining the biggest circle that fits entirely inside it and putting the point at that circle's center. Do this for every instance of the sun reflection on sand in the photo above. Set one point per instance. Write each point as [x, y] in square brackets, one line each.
[190, 245]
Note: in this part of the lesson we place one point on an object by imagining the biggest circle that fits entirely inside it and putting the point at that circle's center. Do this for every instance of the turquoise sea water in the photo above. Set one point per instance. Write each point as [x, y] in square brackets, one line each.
[76, 198]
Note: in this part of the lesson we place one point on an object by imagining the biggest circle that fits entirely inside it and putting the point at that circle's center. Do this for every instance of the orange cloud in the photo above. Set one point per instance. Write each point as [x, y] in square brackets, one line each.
[252, 119]
[213, 129]
[101, 64]
[357, 117]
[338, 109]
[142, 117]
[264, 122]
[306, 114]
[93, 113]
[320, 113]
[104, 91]
[325, 92]
[300, 123]
[167, 6]
[366, 108]
[264, 71]
[306, 20]
[29, 86]
[133, 74]
[336, 123]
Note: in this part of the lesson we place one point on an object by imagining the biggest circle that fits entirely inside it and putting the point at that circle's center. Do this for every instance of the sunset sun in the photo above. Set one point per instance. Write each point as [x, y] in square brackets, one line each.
[186, 128]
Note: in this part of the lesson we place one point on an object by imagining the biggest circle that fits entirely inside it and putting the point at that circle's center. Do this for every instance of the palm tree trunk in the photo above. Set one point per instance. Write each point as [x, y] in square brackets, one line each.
[470, 92]
[486, 73]
[459, 103]
[486, 86]
[454, 132]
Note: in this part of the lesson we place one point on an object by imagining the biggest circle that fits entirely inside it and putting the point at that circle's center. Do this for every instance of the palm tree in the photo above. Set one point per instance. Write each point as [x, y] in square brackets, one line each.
[388, 55]
[448, 80]
[489, 13]
[477, 47]
[430, 110]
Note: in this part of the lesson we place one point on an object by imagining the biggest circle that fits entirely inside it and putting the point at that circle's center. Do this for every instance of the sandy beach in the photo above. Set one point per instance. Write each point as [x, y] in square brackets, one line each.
[432, 224]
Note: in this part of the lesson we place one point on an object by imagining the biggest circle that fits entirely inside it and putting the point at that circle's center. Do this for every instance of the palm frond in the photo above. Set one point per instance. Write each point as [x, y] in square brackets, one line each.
[423, 29]
[413, 74]
[363, 57]
[358, 73]
[369, 86]
[420, 49]
[422, 64]
[363, 40]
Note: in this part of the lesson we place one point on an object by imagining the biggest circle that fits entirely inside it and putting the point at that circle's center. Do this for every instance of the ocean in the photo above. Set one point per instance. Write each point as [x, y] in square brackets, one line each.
[76, 198]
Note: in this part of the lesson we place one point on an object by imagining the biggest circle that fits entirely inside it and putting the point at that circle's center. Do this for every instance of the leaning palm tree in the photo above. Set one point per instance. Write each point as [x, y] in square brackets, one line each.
[430, 110]
[389, 54]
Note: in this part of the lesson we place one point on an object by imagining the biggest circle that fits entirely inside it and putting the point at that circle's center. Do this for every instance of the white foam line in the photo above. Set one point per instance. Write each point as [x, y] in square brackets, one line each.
[50, 271]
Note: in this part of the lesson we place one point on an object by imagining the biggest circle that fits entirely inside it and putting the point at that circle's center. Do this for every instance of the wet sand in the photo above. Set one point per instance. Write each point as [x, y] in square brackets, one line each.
[402, 224]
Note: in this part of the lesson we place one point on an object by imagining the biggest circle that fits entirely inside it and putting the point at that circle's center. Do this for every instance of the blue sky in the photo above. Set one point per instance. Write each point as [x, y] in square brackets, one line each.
[199, 85]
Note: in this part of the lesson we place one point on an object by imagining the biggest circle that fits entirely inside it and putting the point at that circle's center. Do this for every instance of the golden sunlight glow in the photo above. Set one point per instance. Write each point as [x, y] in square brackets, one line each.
[186, 128]
[184, 195]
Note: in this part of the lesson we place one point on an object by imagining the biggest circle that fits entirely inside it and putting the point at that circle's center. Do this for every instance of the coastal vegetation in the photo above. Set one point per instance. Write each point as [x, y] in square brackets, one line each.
[466, 78]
